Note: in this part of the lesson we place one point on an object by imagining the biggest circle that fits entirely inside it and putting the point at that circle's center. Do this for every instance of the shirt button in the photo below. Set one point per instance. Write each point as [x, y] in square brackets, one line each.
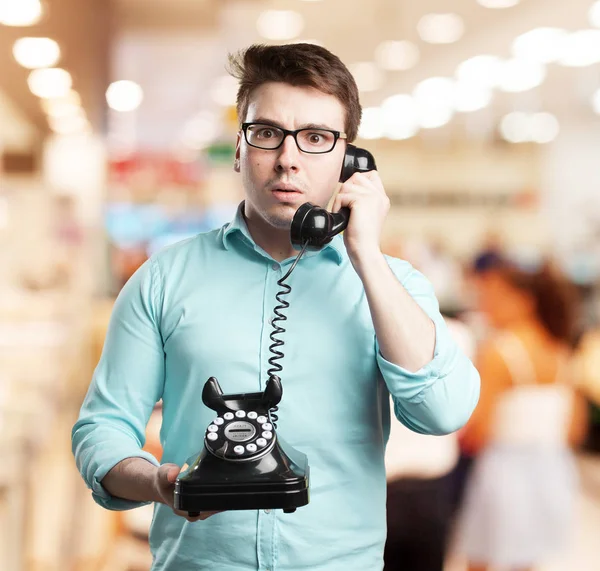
[275, 266]
[267, 511]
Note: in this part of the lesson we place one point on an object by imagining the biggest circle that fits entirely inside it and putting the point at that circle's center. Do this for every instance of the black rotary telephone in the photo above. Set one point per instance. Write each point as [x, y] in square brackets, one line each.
[245, 464]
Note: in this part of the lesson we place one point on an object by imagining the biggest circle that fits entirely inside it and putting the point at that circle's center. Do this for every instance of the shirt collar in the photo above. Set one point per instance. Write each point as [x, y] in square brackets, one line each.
[335, 248]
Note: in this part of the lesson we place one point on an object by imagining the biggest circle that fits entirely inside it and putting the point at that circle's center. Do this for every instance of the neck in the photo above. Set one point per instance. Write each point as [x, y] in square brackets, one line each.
[274, 241]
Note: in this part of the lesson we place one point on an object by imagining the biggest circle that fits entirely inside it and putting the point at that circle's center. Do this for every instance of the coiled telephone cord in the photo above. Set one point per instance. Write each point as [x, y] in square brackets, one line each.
[277, 330]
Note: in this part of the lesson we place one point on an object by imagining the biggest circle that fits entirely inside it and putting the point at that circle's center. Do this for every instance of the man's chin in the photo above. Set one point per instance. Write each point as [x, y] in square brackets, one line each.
[280, 216]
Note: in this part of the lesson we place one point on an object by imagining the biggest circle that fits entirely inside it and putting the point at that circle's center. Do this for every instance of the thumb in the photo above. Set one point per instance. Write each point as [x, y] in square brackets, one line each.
[169, 472]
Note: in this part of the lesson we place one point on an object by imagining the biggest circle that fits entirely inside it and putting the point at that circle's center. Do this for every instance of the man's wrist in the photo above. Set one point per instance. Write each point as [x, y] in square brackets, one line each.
[134, 479]
[364, 261]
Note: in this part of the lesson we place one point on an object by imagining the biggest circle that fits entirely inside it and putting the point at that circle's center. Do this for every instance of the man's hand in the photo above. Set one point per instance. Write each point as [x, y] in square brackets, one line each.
[164, 483]
[369, 204]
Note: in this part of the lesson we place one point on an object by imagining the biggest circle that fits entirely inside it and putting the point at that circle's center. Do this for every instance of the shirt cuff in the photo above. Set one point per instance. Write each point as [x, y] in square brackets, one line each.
[412, 386]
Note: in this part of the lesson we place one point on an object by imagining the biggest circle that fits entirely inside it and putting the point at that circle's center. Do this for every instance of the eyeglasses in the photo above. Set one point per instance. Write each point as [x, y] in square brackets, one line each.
[313, 141]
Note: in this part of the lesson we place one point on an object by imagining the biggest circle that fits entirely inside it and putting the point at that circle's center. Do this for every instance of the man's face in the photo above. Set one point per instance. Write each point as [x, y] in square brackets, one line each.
[314, 176]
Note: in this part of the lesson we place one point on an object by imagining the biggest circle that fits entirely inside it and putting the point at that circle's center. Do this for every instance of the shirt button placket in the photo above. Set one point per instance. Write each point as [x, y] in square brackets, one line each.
[266, 555]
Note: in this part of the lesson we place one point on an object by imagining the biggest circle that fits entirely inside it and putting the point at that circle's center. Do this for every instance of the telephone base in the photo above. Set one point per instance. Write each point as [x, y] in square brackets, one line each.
[194, 504]
[278, 480]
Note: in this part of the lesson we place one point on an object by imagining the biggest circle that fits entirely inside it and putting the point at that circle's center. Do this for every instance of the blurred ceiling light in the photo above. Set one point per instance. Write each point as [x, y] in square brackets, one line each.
[20, 12]
[518, 75]
[542, 45]
[521, 127]
[34, 53]
[596, 102]
[71, 125]
[72, 99]
[396, 55]
[400, 117]
[514, 127]
[50, 82]
[469, 97]
[280, 24]
[59, 108]
[124, 95]
[435, 99]
[436, 92]
[371, 124]
[580, 49]
[200, 131]
[224, 90]
[367, 75]
[441, 28]
[434, 117]
[594, 14]
[543, 127]
[498, 4]
[482, 70]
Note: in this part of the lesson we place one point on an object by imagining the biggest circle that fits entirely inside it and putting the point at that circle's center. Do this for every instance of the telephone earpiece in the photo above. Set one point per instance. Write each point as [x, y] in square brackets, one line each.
[356, 160]
[314, 224]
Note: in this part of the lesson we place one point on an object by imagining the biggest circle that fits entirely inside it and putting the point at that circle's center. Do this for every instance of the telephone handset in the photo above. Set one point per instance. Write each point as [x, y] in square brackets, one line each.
[313, 225]
[244, 464]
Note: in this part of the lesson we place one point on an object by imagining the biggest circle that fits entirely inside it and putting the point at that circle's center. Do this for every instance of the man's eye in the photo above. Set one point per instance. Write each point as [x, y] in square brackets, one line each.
[265, 133]
[315, 138]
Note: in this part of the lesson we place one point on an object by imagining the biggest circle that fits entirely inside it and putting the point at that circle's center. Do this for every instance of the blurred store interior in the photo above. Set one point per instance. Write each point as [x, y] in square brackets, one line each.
[117, 133]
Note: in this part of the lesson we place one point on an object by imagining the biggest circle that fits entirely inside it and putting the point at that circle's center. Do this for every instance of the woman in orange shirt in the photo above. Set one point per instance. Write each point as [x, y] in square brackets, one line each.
[519, 501]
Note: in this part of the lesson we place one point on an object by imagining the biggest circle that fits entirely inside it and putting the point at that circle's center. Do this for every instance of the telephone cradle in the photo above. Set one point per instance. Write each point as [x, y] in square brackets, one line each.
[244, 464]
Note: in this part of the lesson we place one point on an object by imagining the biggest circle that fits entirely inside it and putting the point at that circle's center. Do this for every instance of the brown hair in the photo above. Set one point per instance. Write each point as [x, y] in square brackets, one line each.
[556, 299]
[300, 65]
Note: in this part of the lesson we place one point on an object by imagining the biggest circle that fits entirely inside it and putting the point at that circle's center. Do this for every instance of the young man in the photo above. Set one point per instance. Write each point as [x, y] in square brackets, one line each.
[360, 326]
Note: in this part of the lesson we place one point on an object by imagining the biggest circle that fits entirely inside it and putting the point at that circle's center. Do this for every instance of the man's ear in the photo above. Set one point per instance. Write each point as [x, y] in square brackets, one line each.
[236, 162]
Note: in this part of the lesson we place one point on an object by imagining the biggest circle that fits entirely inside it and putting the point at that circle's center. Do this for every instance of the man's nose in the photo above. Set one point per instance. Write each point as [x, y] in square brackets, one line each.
[289, 155]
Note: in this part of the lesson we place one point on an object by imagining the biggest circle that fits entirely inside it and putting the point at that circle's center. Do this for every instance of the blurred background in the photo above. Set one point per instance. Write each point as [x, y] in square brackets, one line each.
[117, 133]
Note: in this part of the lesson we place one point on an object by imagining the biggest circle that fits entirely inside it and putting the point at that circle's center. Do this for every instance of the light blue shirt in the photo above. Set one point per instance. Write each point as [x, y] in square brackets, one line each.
[201, 308]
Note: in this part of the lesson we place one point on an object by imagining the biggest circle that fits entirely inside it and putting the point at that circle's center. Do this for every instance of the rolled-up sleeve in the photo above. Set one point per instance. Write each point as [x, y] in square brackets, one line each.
[126, 385]
[440, 397]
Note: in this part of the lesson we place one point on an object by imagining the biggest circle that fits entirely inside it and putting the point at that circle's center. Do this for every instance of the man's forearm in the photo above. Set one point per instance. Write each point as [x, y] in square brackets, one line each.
[405, 333]
[132, 479]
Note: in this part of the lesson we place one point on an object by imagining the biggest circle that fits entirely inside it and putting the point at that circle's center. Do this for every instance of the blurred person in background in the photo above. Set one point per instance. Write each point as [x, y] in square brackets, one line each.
[520, 498]
[419, 493]
[370, 326]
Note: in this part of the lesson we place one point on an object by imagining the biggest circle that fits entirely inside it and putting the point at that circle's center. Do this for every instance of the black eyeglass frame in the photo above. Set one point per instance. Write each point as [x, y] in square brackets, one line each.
[337, 135]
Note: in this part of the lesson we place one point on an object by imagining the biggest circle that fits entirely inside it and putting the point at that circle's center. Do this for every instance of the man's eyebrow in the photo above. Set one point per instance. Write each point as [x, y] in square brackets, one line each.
[273, 123]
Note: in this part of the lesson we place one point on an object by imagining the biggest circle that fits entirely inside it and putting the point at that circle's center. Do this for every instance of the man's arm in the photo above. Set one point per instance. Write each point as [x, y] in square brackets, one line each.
[126, 385]
[435, 387]
[406, 334]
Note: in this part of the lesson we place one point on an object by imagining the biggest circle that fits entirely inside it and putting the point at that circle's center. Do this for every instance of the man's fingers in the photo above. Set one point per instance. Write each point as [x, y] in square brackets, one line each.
[205, 515]
[168, 473]
[172, 474]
